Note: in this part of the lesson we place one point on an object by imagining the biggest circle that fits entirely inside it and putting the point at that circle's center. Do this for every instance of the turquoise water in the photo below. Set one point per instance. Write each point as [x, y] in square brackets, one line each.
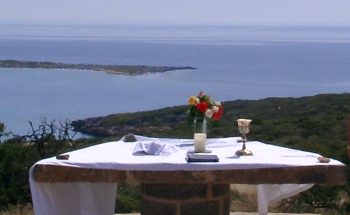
[232, 63]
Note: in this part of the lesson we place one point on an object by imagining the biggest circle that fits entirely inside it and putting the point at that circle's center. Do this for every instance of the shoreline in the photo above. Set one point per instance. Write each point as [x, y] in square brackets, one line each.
[131, 70]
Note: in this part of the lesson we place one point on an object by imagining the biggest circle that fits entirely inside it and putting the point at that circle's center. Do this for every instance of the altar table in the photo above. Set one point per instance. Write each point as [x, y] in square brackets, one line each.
[86, 183]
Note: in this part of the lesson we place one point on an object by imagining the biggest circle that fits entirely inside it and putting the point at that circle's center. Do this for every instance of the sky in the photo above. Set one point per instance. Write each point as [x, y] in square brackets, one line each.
[205, 12]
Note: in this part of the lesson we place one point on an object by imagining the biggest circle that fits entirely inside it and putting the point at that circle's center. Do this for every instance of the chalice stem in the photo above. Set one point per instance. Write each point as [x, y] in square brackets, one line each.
[243, 147]
[244, 137]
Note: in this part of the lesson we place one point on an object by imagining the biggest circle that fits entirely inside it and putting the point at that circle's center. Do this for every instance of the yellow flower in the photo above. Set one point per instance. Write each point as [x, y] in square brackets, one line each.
[193, 100]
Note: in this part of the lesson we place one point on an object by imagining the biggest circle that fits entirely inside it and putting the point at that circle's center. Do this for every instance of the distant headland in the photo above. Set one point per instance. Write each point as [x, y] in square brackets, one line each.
[111, 69]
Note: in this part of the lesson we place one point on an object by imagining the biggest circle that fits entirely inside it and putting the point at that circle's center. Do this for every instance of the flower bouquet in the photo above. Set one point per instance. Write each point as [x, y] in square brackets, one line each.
[202, 108]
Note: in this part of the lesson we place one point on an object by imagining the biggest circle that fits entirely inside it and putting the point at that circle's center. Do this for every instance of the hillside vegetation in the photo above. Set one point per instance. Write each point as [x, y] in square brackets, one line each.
[316, 123]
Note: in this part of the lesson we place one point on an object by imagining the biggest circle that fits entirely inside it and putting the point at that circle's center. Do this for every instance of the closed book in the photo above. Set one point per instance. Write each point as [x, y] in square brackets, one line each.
[192, 157]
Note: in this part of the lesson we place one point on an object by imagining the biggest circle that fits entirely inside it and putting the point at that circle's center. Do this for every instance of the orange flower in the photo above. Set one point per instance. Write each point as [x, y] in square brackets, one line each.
[193, 100]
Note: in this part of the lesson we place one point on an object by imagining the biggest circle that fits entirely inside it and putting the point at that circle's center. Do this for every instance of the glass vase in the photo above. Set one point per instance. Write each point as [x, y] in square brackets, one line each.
[199, 135]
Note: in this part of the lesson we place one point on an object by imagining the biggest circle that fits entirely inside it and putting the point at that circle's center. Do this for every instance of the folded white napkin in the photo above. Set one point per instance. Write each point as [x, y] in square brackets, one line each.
[154, 148]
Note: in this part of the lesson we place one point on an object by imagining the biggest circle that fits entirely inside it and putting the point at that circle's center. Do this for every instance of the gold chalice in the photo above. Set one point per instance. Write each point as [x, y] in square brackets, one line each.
[244, 128]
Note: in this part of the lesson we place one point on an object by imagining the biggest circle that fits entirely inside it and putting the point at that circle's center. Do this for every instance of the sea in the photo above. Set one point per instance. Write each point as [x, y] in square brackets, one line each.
[232, 62]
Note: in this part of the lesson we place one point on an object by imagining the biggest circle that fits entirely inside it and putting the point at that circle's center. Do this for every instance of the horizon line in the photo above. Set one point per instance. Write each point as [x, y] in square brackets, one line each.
[140, 23]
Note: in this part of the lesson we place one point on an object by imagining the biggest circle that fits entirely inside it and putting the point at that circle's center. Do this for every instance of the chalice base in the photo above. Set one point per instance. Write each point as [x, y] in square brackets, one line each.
[244, 152]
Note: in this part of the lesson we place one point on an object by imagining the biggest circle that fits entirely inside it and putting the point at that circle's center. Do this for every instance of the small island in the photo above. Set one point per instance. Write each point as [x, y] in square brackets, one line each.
[111, 69]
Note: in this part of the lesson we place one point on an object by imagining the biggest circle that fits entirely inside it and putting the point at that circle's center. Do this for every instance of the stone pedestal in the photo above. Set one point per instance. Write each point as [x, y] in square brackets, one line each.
[185, 199]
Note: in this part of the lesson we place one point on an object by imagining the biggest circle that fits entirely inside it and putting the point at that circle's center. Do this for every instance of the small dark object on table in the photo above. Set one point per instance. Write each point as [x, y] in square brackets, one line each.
[193, 157]
[323, 159]
[62, 157]
[130, 138]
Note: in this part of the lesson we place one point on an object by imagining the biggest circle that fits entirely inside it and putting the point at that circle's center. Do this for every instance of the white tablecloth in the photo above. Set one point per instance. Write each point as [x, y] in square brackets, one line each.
[99, 198]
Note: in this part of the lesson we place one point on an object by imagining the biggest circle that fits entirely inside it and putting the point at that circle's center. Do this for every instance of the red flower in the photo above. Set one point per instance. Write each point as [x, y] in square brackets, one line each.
[202, 106]
[217, 115]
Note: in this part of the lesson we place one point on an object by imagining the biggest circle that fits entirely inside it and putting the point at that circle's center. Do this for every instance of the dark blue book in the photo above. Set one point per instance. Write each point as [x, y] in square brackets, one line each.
[192, 157]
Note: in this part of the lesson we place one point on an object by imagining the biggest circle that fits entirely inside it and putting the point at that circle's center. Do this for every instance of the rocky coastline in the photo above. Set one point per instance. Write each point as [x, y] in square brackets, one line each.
[111, 69]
